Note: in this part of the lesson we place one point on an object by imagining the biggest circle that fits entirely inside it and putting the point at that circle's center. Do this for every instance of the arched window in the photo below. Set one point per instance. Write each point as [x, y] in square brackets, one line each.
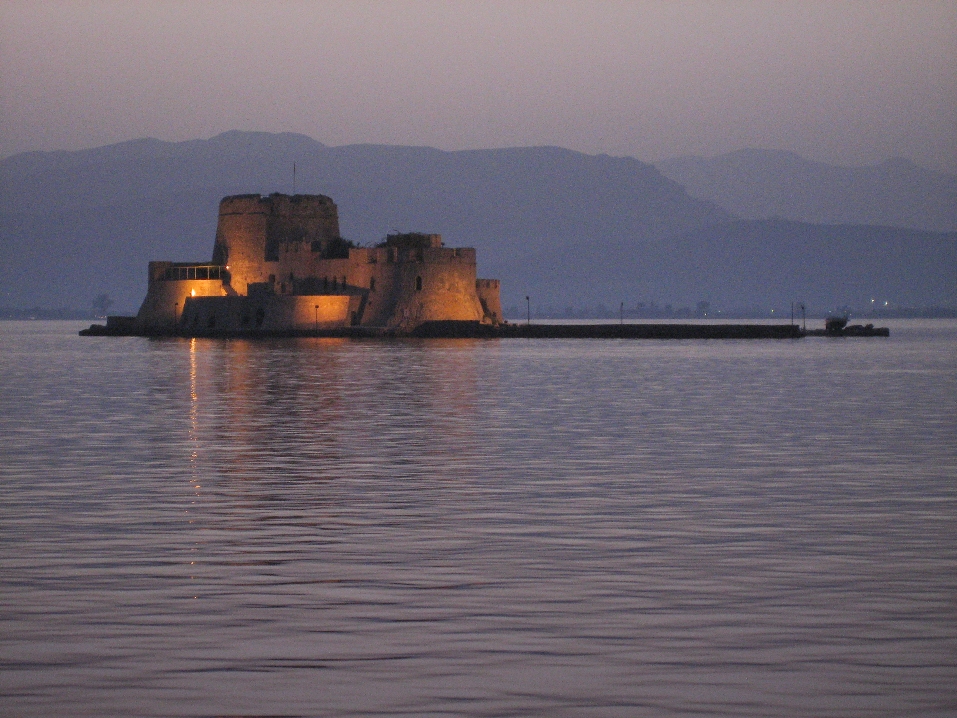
[418, 284]
[372, 284]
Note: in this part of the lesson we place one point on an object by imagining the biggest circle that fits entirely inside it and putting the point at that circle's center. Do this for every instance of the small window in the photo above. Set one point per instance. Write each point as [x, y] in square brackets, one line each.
[418, 284]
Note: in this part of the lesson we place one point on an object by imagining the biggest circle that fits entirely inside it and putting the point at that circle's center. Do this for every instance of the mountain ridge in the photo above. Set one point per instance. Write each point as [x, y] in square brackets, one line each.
[563, 226]
[759, 184]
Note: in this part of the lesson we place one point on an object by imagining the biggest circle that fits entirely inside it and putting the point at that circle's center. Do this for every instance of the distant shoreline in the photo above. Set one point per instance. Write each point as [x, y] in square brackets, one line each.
[36, 314]
[778, 315]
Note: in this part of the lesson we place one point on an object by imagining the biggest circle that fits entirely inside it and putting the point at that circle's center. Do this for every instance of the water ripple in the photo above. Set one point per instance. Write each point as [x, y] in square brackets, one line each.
[478, 528]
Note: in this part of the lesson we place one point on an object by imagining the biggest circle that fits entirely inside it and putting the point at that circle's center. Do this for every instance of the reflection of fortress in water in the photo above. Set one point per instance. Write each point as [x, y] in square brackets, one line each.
[280, 266]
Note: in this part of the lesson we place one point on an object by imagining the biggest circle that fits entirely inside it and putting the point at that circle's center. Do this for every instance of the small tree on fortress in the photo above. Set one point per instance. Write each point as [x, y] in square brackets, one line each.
[338, 248]
[102, 304]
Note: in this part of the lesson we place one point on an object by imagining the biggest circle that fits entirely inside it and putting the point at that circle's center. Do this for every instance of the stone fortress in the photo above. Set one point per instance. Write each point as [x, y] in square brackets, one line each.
[280, 266]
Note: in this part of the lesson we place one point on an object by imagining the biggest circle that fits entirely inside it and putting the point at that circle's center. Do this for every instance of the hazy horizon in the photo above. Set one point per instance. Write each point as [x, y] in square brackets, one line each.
[844, 83]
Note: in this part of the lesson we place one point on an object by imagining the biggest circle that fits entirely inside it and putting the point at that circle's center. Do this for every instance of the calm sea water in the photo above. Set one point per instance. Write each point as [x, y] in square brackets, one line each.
[478, 528]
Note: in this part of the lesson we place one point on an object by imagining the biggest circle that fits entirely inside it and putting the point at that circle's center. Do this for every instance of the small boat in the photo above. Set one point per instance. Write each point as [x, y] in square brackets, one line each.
[838, 327]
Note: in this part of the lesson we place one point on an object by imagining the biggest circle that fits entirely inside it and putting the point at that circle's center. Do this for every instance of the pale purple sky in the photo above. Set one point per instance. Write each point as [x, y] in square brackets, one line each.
[836, 81]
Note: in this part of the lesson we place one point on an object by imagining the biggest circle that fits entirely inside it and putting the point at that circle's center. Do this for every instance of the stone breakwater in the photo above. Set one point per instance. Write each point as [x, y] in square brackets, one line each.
[611, 331]
[478, 330]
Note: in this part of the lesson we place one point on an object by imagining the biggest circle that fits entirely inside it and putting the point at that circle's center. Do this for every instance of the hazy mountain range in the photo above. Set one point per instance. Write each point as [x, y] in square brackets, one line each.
[563, 227]
[765, 184]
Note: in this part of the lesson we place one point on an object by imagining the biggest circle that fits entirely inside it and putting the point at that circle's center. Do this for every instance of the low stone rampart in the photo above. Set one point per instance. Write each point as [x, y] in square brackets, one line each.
[264, 314]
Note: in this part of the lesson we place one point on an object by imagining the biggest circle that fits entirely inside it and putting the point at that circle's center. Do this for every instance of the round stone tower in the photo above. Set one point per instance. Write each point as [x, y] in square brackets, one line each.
[253, 231]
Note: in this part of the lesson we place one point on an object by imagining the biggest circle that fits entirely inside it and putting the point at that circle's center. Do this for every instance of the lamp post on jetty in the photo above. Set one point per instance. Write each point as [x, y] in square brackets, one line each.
[317, 320]
[528, 309]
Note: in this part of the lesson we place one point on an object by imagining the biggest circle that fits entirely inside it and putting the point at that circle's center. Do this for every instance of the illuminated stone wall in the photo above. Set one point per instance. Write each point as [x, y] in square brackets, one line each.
[163, 306]
[264, 313]
[489, 293]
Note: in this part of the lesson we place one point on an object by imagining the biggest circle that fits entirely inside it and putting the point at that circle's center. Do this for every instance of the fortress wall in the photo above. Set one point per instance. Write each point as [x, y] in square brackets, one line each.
[382, 297]
[255, 232]
[241, 240]
[214, 314]
[166, 300]
[361, 267]
[448, 288]
[489, 293]
[300, 220]
[307, 276]
[460, 255]
[296, 259]
[447, 293]
[383, 291]
[266, 313]
[300, 312]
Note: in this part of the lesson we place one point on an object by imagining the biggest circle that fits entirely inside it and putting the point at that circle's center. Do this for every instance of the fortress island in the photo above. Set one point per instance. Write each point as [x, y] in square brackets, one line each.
[280, 267]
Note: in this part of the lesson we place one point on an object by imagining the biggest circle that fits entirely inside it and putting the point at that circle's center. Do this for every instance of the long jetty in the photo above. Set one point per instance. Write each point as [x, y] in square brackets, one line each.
[610, 331]
[464, 330]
